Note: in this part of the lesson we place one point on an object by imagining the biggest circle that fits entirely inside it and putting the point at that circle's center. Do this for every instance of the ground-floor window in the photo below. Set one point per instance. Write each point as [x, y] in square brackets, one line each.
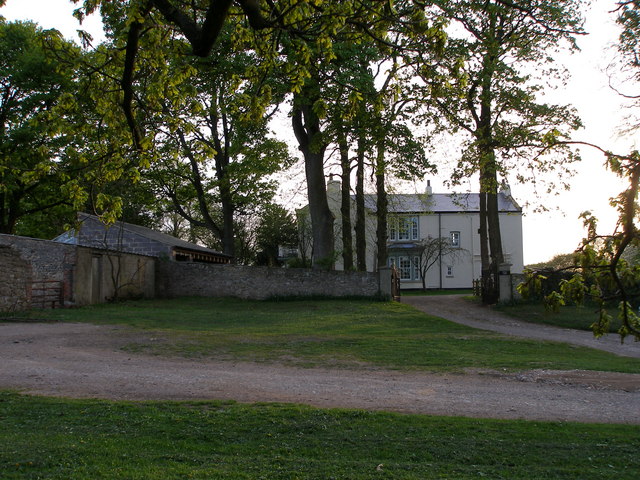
[408, 266]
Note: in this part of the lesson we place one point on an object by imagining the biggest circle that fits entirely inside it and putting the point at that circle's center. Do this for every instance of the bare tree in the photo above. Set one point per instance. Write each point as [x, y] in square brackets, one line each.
[430, 250]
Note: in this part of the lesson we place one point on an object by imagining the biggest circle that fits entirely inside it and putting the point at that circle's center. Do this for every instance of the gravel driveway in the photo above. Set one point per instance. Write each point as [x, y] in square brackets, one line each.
[87, 361]
[459, 310]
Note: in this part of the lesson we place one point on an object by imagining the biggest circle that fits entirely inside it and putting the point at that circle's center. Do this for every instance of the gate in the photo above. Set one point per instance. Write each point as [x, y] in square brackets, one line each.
[46, 294]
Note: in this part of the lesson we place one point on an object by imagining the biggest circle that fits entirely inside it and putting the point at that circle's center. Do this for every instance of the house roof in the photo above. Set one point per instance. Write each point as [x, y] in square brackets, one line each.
[154, 235]
[440, 203]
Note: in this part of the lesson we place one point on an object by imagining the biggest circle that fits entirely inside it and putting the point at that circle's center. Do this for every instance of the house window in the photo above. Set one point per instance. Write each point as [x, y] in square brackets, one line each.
[408, 267]
[404, 268]
[455, 239]
[403, 228]
[449, 270]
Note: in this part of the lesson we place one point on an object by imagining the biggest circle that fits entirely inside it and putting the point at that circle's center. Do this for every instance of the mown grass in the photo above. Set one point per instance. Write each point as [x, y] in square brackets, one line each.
[578, 317]
[43, 438]
[345, 333]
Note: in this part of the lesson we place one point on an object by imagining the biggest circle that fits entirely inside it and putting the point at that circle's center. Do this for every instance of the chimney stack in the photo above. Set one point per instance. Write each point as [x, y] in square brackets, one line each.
[429, 190]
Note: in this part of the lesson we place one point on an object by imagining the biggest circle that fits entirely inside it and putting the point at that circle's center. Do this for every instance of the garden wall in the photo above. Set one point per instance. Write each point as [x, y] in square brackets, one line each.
[176, 279]
[37, 273]
[44, 274]
[16, 273]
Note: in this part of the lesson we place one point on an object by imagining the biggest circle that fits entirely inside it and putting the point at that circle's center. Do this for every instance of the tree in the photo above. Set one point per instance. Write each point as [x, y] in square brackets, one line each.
[308, 131]
[307, 30]
[214, 152]
[628, 17]
[601, 272]
[496, 101]
[432, 249]
[276, 228]
[562, 260]
[606, 268]
[33, 166]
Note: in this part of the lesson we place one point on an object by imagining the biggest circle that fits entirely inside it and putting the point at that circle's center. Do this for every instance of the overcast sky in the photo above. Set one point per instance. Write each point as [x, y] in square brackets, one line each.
[557, 231]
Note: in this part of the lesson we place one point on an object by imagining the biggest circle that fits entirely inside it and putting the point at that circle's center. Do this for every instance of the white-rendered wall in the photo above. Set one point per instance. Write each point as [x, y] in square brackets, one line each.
[466, 266]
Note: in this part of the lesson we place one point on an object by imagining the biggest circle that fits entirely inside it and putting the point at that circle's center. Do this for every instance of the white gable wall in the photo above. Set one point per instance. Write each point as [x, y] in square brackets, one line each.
[460, 270]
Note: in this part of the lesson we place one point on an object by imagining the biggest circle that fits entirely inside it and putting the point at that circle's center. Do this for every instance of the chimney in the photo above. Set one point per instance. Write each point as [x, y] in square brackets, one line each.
[505, 188]
[429, 190]
[334, 192]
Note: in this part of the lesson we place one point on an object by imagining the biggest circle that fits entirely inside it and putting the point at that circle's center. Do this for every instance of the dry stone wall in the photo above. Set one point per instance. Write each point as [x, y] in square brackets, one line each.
[16, 275]
[175, 279]
[49, 282]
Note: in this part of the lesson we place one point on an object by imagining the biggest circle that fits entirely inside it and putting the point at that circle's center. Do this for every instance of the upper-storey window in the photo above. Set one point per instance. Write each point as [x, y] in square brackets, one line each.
[455, 239]
[403, 228]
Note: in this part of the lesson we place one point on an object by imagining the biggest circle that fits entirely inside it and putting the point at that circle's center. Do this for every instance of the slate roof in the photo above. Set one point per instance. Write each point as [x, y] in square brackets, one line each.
[440, 203]
[163, 238]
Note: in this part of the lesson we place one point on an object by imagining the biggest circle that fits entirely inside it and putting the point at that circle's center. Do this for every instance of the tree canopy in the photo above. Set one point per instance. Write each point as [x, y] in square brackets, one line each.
[488, 87]
[34, 165]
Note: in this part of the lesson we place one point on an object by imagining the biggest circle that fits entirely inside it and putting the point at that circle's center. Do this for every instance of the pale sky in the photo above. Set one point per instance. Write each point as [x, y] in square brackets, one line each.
[545, 234]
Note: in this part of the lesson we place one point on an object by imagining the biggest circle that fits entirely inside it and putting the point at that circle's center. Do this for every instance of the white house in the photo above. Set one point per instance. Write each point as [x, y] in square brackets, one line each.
[416, 217]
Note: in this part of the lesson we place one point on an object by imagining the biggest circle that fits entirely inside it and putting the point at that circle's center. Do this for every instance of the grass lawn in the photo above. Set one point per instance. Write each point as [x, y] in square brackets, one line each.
[570, 316]
[43, 438]
[347, 333]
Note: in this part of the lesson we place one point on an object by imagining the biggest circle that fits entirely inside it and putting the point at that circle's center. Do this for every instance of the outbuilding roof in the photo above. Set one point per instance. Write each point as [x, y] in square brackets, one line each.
[159, 237]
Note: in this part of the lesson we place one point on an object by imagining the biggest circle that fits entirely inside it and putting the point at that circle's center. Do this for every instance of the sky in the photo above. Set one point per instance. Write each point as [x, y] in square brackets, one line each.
[556, 231]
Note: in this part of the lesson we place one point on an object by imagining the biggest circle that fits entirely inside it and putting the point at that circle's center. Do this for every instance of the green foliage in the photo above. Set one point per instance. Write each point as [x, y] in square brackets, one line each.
[276, 228]
[562, 260]
[602, 274]
[36, 174]
[485, 88]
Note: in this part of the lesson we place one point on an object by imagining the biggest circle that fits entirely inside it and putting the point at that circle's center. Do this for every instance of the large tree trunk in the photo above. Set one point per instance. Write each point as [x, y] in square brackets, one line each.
[10, 211]
[306, 126]
[490, 235]
[360, 229]
[488, 167]
[381, 206]
[345, 203]
[486, 280]
[228, 212]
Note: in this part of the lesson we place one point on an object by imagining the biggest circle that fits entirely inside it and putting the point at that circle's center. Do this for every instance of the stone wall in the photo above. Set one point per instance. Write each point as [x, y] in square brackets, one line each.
[51, 265]
[16, 275]
[516, 279]
[175, 279]
[44, 274]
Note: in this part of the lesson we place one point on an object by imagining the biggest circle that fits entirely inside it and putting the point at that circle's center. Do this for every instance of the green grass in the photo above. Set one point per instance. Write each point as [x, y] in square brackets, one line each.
[43, 438]
[342, 333]
[570, 316]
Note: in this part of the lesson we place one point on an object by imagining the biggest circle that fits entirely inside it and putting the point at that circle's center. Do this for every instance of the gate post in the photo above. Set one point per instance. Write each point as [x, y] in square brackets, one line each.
[384, 282]
[504, 285]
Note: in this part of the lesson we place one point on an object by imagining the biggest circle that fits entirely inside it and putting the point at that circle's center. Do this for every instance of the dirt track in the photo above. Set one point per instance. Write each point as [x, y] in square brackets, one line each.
[82, 360]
